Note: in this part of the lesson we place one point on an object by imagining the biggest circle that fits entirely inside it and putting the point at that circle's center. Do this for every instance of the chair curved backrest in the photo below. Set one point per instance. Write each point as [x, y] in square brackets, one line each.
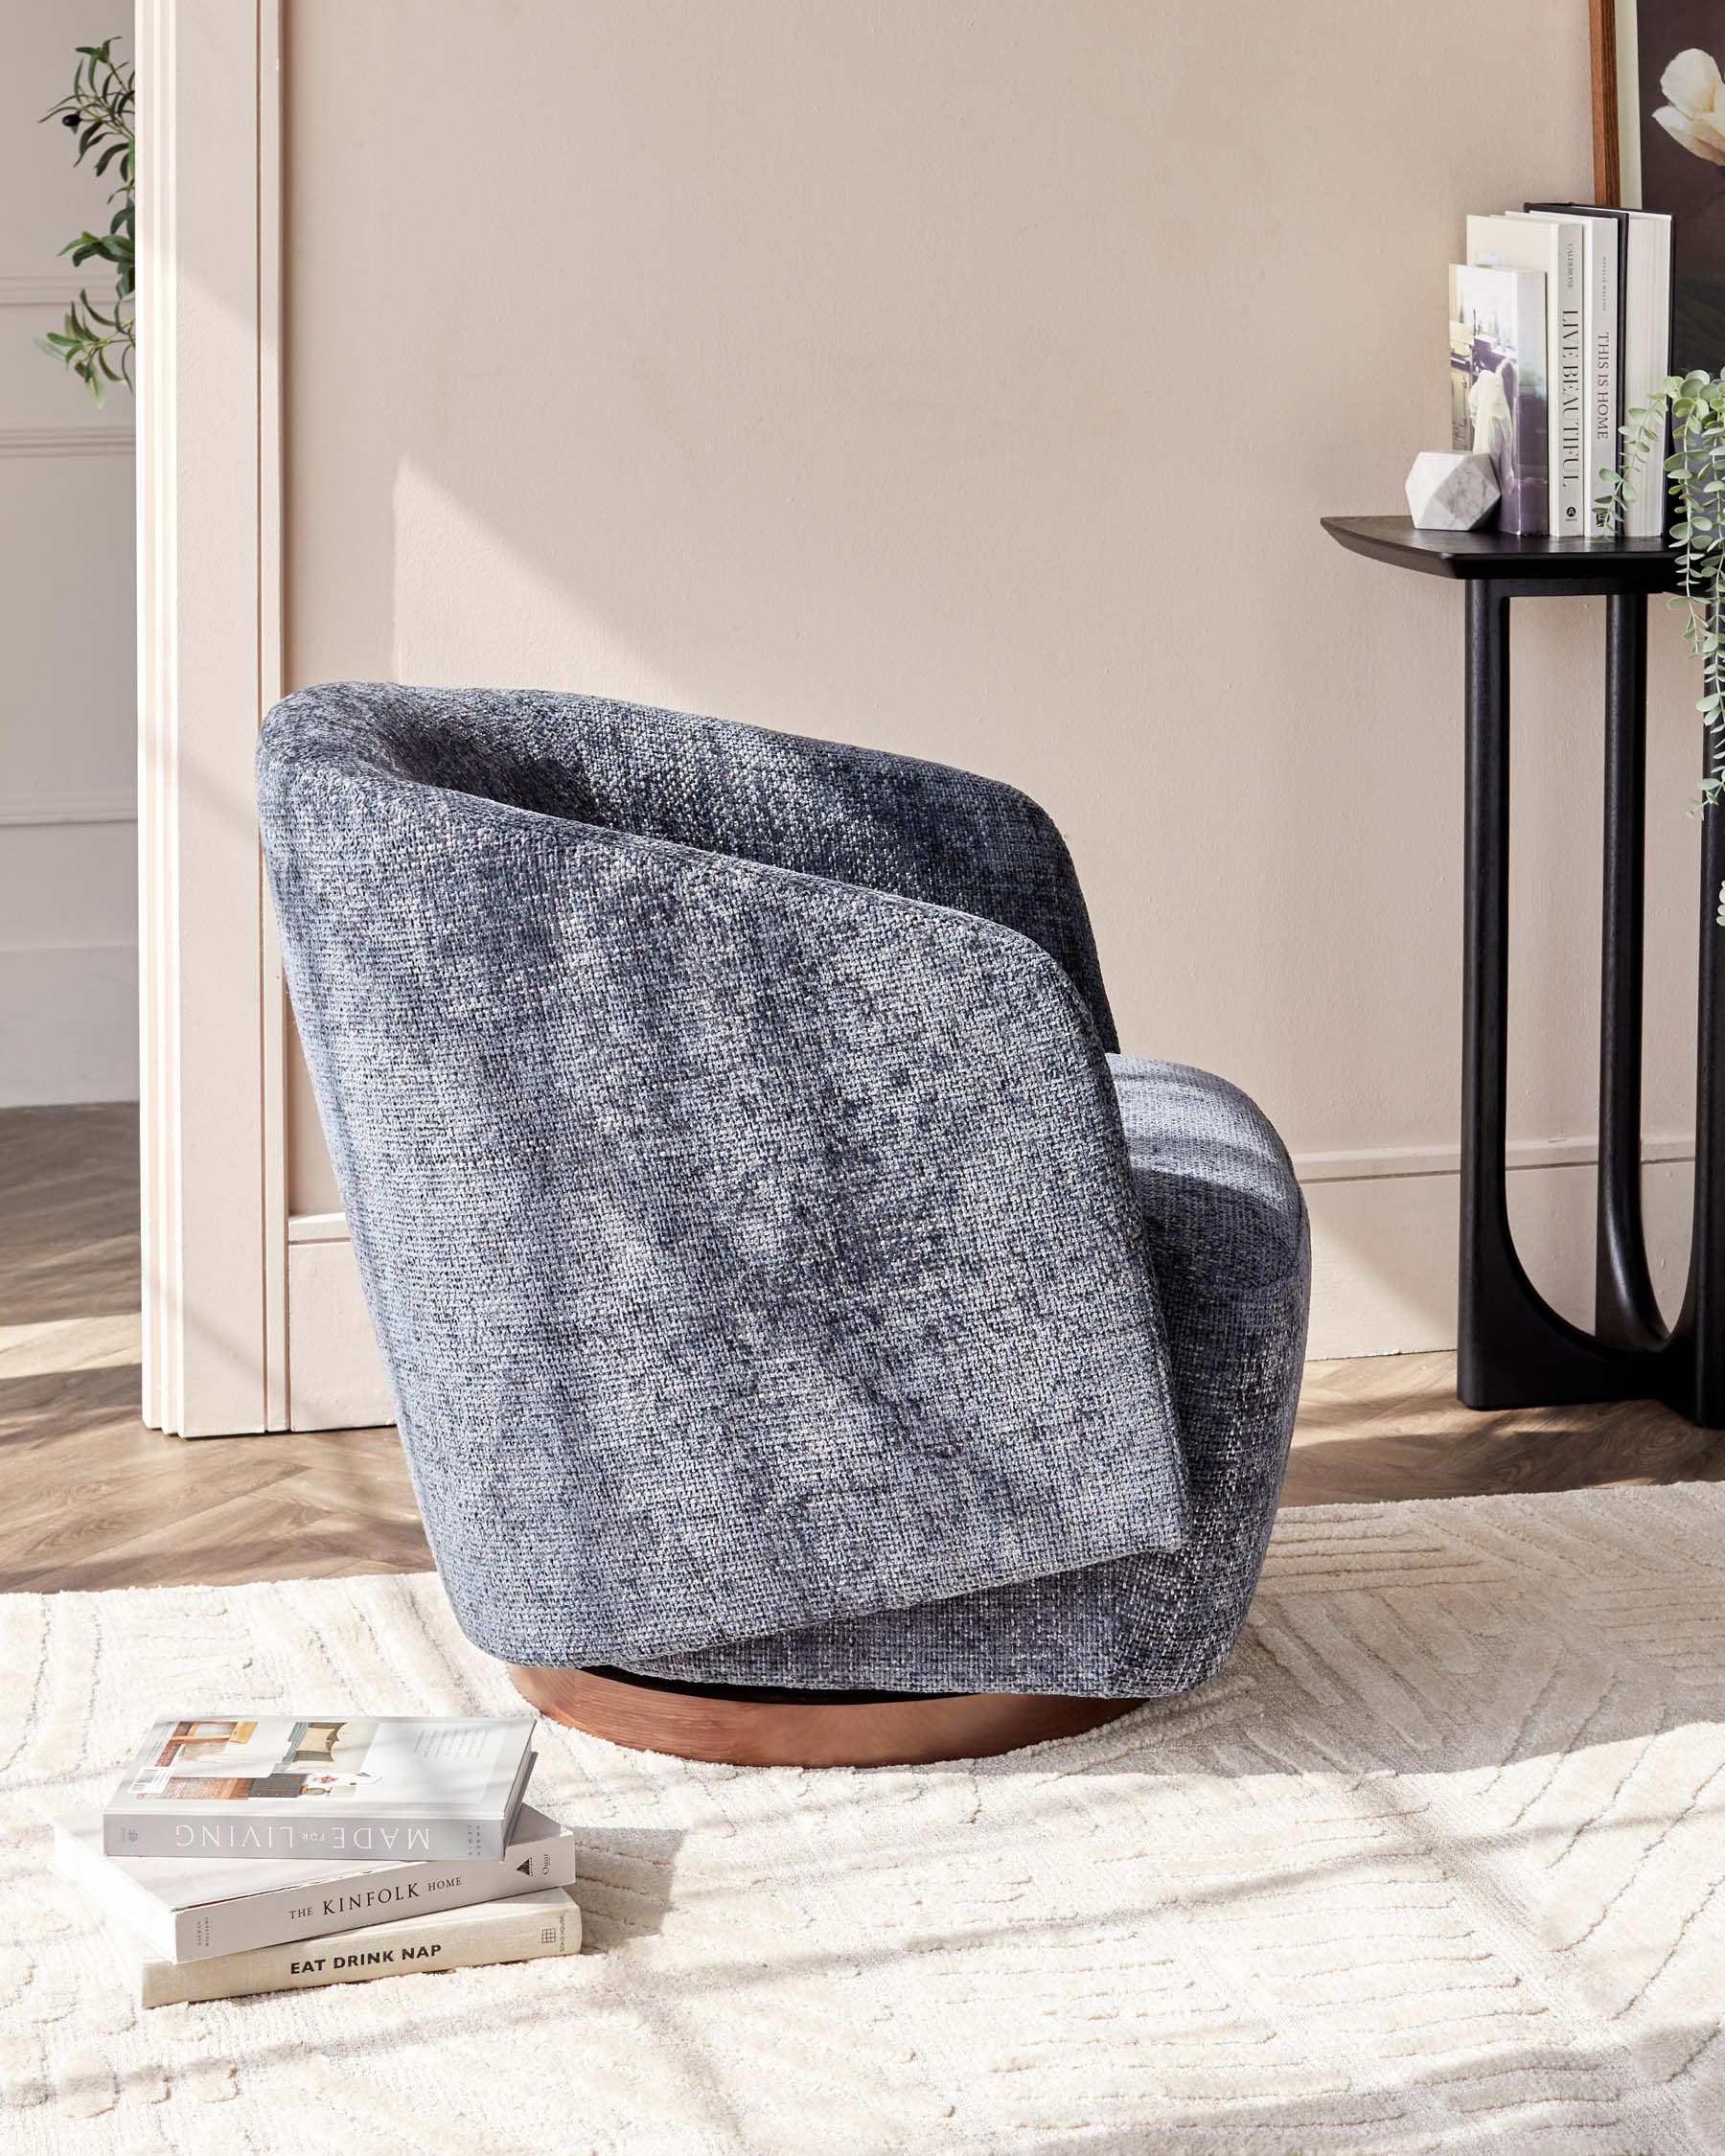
[731, 1159]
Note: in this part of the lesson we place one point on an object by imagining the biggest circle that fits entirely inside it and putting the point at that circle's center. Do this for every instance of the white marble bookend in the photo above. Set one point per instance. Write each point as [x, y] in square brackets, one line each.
[1452, 490]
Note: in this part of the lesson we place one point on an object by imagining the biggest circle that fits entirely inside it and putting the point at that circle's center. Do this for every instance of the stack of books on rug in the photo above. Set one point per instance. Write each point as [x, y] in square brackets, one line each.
[1560, 329]
[276, 1853]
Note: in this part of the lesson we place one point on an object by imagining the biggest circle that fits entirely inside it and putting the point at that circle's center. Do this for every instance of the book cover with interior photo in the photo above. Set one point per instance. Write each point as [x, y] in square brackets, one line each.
[191, 1909]
[1498, 384]
[1555, 248]
[371, 1788]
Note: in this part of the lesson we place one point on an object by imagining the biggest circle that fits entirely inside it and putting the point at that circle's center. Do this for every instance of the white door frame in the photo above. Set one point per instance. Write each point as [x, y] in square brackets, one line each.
[212, 1011]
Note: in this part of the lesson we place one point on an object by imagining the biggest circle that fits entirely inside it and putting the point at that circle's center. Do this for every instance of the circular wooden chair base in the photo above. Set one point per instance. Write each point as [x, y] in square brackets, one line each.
[814, 1730]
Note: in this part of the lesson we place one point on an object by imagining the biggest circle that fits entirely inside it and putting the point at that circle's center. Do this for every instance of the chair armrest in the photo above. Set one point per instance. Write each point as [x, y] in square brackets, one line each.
[746, 1248]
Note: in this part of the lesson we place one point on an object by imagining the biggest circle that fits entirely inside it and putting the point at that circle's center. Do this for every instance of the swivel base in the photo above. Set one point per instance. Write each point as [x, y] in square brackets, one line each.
[745, 1729]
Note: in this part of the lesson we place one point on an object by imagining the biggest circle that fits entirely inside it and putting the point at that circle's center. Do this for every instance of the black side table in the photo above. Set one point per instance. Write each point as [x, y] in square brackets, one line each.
[1515, 1350]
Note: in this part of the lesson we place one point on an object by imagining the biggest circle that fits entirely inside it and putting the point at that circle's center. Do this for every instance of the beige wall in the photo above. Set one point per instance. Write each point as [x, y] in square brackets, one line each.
[969, 380]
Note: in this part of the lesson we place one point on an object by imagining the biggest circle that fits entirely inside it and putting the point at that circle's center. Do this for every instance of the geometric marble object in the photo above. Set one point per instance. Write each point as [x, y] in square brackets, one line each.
[1452, 490]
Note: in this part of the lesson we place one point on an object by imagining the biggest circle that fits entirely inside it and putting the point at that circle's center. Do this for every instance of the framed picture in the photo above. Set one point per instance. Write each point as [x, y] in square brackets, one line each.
[1659, 144]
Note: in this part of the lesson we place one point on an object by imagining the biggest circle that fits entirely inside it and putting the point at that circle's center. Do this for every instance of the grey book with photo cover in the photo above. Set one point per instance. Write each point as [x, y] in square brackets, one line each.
[527, 1927]
[343, 1788]
[190, 1909]
[1556, 249]
[1498, 384]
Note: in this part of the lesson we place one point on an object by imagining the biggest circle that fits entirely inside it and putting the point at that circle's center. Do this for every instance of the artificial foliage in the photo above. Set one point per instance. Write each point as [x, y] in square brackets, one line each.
[97, 109]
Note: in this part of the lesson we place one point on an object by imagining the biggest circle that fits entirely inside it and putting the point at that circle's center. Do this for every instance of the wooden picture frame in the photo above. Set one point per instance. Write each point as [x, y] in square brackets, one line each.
[1607, 150]
[1659, 145]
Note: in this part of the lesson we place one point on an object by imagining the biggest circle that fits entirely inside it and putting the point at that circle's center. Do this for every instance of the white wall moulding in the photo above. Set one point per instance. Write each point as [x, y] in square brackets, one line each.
[19, 809]
[317, 1228]
[1376, 1165]
[50, 292]
[1384, 1240]
[209, 625]
[92, 441]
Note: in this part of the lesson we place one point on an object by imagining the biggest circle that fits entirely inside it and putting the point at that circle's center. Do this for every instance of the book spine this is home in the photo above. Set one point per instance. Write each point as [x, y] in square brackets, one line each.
[527, 1928]
[162, 1833]
[1603, 371]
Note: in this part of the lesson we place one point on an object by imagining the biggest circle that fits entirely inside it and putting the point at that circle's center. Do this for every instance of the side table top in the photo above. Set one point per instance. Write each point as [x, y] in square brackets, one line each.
[1594, 564]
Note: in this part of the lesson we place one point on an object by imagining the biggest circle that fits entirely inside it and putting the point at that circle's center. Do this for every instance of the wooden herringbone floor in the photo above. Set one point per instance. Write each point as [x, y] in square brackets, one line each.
[92, 1499]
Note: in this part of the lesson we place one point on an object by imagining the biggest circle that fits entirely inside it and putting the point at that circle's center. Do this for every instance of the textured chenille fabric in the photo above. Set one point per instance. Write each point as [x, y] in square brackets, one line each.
[1228, 1229]
[777, 1284]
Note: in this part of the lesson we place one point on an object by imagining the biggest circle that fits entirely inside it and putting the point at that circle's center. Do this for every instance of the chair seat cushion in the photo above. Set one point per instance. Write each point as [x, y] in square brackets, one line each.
[1220, 1199]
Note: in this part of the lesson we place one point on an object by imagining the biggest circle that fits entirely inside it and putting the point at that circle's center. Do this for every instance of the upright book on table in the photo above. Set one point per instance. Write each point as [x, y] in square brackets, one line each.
[1555, 251]
[1644, 339]
[1498, 384]
[1602, 350]
[193, 1909]
[348, 1788]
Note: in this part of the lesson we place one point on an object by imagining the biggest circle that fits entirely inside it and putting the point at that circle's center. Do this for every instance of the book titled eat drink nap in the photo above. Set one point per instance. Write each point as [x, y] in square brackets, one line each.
[366, 1789]
[526, 1927]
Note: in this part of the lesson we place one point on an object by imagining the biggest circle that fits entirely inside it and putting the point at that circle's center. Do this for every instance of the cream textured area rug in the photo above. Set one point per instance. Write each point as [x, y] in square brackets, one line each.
[1435, 1864]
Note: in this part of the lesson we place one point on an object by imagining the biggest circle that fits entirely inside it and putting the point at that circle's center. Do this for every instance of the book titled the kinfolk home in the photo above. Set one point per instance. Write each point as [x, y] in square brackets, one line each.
[349, 1789]
[1498, 384]
[192, 1909]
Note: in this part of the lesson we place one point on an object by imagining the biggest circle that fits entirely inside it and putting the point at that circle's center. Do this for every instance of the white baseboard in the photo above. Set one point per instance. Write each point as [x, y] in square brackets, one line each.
[68, 1024]
[334, 1376]
[1384, 1234]
[1384, 1245]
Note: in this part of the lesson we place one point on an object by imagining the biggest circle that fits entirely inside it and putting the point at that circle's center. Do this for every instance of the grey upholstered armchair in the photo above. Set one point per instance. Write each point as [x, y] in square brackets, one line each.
[781, 1282]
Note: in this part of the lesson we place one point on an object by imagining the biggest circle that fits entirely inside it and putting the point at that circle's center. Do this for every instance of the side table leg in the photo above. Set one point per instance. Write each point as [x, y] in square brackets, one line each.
[1485, 992]
[1692, 1367]
[1625, 1310]
[1512, 1348]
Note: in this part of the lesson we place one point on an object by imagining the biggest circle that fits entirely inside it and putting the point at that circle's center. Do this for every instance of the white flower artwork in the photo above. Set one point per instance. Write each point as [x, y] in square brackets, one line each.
[1695, 116]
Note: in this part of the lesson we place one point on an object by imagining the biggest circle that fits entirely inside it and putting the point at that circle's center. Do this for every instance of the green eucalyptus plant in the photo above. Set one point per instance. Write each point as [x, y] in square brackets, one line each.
[1695, 477]
[98, 347]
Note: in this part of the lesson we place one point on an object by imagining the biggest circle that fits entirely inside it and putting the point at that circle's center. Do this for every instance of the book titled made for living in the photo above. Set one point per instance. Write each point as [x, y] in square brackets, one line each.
[373, 1789]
